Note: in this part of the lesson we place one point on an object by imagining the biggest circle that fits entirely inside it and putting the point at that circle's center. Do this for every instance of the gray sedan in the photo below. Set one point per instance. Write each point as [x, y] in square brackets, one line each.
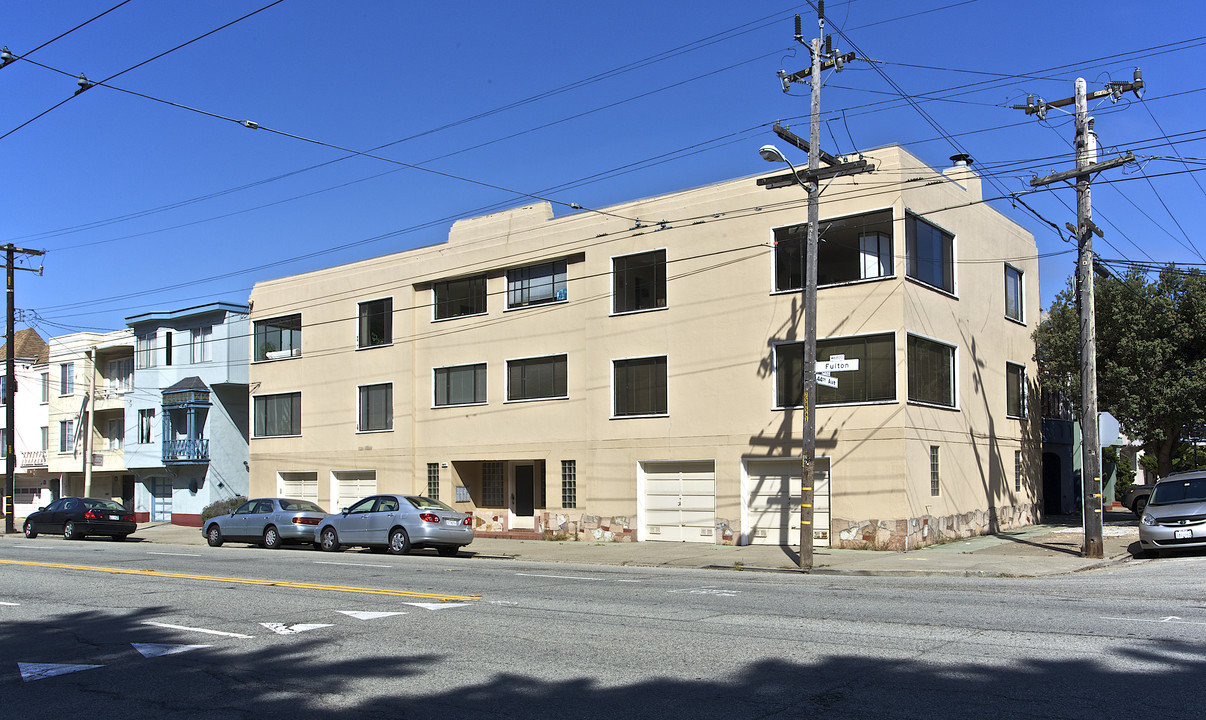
[270, 522]
[397, 523]
[1175, 516]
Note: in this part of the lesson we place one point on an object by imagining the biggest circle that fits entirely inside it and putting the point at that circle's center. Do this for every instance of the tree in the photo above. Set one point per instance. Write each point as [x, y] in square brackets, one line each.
[1151, 356]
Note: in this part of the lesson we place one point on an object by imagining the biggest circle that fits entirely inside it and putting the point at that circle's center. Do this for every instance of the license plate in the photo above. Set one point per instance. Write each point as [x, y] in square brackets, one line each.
[115, 517]
[452, 521]
[1182, 534]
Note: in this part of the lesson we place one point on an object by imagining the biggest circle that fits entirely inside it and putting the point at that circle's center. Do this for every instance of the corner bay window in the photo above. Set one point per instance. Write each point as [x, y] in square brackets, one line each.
[639, 282]
[462, 385]
[376, 323]
[278, 338]
[458, 298]
[874, 381]
[537, 378]
[929, 254]
[850, 249]
[376, 404]
[277, 415]
[931, 372]
[640, 387]
[536, 284]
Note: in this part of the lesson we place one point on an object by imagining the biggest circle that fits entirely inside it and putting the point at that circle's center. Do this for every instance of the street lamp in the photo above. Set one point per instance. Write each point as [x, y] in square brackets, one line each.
[770, 153]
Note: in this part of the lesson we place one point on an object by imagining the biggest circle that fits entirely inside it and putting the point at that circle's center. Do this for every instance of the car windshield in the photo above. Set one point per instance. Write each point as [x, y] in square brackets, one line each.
[1179, 491]
[426, 503]
[103, 505]
[300, 506]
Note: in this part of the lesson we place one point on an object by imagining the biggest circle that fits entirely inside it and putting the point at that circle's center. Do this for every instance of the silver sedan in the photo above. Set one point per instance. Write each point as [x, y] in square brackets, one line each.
[397, 523]
[270, 522]
[1175, 516]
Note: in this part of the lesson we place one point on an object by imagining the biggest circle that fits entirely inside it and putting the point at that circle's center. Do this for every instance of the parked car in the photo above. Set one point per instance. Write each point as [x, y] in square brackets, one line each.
[1135, 498]
[397, 523]
[270, 522]
[1175, 516]
[78, 518]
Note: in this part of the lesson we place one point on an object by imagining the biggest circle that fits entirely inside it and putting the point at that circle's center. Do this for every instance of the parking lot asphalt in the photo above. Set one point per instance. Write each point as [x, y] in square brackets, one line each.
[1051, 548]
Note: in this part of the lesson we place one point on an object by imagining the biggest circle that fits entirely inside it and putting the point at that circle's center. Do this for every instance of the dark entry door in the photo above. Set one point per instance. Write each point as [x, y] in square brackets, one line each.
[525, 491]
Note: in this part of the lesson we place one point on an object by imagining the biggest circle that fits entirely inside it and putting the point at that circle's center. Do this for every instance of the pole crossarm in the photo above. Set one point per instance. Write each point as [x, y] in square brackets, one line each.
[802, 144]
[1086, 170]
[849, 168]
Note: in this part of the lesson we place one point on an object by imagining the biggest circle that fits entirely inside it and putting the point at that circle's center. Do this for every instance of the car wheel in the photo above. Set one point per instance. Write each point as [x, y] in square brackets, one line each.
[272, 539]
[119, 538]
[70, 532]
[399, 541]
[1139, 506]
[329, 541]
[448, 550]
[213, 536]
[29, 530]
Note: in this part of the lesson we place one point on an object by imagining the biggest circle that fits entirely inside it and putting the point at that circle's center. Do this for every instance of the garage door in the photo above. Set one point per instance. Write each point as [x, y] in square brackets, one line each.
[352, 485]
[300, 485]
[680, 501]
[773, 502]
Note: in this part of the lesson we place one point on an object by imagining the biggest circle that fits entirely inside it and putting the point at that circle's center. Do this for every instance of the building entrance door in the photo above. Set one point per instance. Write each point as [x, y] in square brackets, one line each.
[161, 499]
[525, 496]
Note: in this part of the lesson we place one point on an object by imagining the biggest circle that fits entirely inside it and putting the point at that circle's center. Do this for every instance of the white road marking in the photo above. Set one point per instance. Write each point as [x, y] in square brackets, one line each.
[707, 591]
[193, 629]
[557, 577]
[41, 671]
[282, 629]
[11, 604]
[323, 562]
[362, 615]
[438, 606]
[151, 650]
[1171, 619]
[175, 554]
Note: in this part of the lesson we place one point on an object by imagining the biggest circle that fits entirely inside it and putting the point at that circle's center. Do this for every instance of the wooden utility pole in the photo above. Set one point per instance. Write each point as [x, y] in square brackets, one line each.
[1086, 166]
[10, 389]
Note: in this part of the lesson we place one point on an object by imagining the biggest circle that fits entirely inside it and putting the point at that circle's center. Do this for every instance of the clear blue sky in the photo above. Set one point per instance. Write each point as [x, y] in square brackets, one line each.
[144, 206]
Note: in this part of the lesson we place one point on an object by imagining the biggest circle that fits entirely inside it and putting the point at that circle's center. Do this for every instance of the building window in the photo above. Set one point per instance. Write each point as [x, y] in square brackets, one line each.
[146, 417]
[639, 282]
[874, 381]
[935, 488]
[67, 378]
[45, 438]
[201, 344]
[1017, 471]
[930, 254]
[851, 249]
[458, 298]
[45, 388]
[569, 483]
[640, 387]
[376, 323]
[144, 351]
[1015, 390]
[376, 407]
[120, 374]
[278, 338]
[433, 481]
[537, 284]
[277, 415]
[1013, 293]
[492, 484]
[167, 349]
[66, 436]
[931, 372]
[537, 378]
[115, 434]
[3, 390]
[461, 385]
[3, 443]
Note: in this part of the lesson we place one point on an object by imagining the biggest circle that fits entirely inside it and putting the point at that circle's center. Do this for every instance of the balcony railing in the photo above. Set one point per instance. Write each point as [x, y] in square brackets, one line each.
[186, 451]
[33, 459]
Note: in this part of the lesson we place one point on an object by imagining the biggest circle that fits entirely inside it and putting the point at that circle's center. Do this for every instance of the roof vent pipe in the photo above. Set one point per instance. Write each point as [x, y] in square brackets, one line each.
[962, 160]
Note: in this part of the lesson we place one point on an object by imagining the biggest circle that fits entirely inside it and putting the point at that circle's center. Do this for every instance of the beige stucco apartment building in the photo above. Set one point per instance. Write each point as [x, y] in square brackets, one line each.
[633, 372]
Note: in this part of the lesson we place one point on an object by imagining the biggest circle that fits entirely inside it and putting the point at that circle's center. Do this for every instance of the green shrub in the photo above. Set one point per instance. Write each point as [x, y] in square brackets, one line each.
[221, 507]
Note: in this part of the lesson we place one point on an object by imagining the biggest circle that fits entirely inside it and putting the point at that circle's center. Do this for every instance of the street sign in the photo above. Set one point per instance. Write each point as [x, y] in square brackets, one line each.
[827, 380]
[837, 365]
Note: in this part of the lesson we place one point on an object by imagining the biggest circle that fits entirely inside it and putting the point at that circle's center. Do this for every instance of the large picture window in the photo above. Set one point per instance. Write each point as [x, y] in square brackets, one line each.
[930, 254]
[850, 249]
[376, 319]
[639, 282]
[201, 342]
[1015, 390]
[537, 378]
[931, 372]
[278, 338]
[874, 381]
[537, 284]
[461, 385]
[461, 297]
[376, 407]
[145, 351]
[1013, 293]
[640, 387]
[277, 415]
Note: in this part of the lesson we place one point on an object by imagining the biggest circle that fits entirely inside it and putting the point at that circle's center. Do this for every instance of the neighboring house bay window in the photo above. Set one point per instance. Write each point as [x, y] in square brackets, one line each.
[849, 249]
[278, 338]
[277, 415]
[640, 387]
[874, 381]
[458, 298]
[461, 385]
[930, 254]
[931, 372]
[639, 282]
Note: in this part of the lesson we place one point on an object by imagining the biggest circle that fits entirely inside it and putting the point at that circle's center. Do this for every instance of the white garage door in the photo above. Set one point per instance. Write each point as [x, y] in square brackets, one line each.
[300, 485]
[351, 485]
[680, 501]
[773, 502]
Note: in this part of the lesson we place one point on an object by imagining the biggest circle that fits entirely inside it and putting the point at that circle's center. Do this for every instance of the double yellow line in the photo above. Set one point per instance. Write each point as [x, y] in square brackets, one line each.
[249, 581]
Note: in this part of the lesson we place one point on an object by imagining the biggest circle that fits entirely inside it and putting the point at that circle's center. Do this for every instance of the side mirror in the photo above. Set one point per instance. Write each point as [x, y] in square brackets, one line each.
[343, 511]
[42, 509]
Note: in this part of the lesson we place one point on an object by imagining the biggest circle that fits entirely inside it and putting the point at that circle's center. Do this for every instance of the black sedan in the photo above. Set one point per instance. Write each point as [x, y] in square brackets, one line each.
[77, 518]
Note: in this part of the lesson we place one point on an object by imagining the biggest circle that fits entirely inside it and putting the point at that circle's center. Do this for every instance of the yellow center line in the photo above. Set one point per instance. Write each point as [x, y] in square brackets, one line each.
[248, 581]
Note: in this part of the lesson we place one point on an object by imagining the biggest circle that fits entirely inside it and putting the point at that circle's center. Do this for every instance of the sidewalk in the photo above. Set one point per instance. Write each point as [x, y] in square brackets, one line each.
[1052, 548]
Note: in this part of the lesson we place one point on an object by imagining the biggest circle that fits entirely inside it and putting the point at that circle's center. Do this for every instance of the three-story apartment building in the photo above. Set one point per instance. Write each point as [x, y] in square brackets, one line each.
[634, 372]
